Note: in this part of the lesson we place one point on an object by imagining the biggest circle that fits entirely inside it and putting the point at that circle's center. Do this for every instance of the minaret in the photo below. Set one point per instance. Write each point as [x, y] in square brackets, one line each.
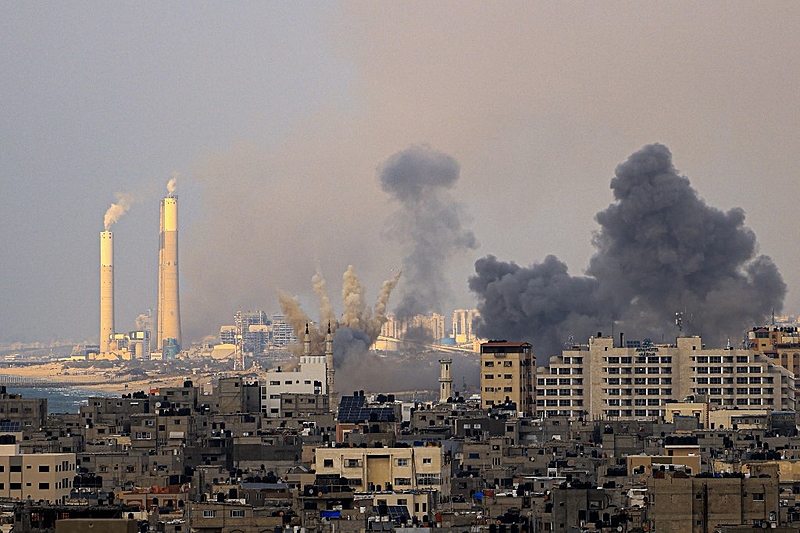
[445, 381]
[169, 308]
[106, 290]
[307, 342]
[329, 360]
[329, 370]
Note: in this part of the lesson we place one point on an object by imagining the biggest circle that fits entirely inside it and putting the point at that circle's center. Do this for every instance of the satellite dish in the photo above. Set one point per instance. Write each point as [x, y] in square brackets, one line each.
[158, 404]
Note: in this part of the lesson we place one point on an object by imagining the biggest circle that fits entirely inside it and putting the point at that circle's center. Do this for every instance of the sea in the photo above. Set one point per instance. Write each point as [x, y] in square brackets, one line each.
[59, 399]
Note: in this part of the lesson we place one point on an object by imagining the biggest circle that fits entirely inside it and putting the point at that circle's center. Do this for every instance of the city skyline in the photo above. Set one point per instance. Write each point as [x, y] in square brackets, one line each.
[278, 118]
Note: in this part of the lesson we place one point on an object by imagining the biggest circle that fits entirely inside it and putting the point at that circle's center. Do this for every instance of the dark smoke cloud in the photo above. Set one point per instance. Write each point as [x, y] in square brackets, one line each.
[428, 226]
[660, 250]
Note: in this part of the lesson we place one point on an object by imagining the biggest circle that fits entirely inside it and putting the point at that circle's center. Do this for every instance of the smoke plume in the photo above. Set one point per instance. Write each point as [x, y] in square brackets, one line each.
[326, 313]
[117, 209]
[428, 225]
[172, 183]
[660, 250]
[357, 317]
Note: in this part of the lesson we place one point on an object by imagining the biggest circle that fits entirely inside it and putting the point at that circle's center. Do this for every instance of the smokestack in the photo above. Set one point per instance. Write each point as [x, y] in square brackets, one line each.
[106, 289]
[169, 310]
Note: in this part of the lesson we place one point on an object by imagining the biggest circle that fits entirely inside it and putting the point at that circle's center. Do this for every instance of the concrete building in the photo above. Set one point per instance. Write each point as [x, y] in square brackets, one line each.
[255, 330]
[282, 334]
[507, 375]
[418, 468]
[640, 379]
[29, 413]
[709, 502]
[309, 377]
[462, 325]
[40, 476]
[432, 325]
[781, 343]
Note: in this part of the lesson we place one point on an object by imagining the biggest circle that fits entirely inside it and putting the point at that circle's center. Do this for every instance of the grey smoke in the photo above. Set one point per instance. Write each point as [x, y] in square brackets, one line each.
[358, 368]
[660, 249]
[428, 226]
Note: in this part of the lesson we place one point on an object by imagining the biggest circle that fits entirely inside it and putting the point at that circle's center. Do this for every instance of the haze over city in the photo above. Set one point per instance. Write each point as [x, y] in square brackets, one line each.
[317, 136]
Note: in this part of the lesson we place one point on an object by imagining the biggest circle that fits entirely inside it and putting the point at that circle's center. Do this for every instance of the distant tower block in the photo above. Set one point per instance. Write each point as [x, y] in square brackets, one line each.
[169, 307]
[106, 290]
[445, 381]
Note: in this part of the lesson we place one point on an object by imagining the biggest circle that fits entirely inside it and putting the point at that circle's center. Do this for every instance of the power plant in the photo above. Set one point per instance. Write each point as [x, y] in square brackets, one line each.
[136, 344]
[106, 290]
[168, 337]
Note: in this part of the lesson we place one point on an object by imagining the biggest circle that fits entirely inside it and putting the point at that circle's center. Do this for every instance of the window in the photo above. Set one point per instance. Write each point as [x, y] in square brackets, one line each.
[15, 486]
[44, 468]
[426, 460]
[758, 496]
[429, 479]
[44, 486]
[209, 513]
[15, 468]
[237, 513]
[488, 363]
[328, 463]
[402, 481]
[404, 461]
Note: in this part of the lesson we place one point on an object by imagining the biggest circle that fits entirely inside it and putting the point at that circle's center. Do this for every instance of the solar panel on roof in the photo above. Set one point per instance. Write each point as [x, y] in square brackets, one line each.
[9, 426]
[396, 513]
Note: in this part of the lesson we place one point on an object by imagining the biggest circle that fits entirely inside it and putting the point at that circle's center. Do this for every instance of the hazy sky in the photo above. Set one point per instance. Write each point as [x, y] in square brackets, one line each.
[278, 116]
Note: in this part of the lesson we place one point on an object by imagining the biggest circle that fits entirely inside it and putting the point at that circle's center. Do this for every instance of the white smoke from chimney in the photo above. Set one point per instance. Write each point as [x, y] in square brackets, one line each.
[173, 183]
[117, 209]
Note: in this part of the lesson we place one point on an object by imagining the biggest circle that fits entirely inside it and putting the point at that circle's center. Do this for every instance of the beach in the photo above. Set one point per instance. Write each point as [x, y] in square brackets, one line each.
[104, 380]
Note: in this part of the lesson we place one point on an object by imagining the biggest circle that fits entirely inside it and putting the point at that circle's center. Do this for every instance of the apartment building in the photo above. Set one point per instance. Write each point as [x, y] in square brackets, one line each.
[309, 378]
[40, 476]
[31, 413]
[708, 503]
[639, 379]
[398, 469]
[463, 320]
[507, 375]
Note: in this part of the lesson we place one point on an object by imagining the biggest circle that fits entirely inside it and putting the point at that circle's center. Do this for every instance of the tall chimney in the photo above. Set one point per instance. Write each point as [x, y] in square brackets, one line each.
[106, 290]
[169, 309]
